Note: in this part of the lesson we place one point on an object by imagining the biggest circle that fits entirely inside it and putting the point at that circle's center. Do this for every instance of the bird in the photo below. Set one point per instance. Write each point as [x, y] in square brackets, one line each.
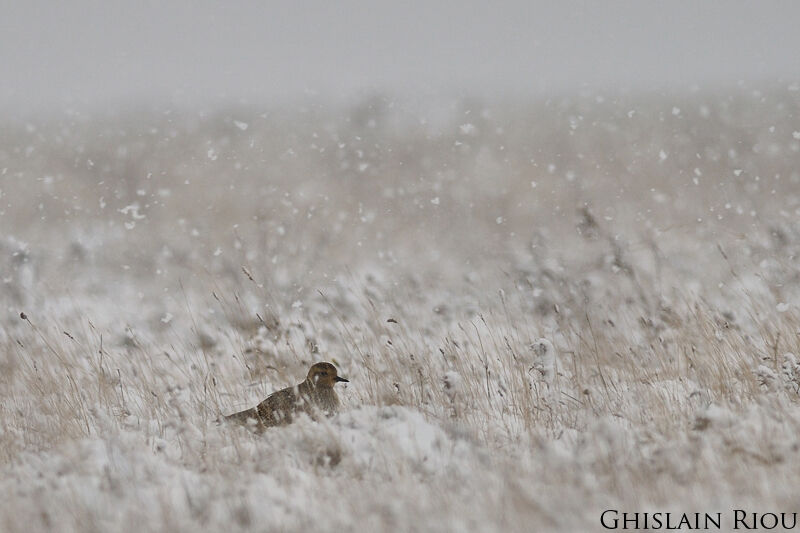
[312, 396]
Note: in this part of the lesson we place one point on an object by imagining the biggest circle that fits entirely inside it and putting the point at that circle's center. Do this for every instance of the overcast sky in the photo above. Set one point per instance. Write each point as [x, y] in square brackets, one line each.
[113, 52]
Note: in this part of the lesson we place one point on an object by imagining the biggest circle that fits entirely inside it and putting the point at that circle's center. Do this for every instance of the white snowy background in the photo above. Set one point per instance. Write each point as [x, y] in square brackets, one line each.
[554, 249]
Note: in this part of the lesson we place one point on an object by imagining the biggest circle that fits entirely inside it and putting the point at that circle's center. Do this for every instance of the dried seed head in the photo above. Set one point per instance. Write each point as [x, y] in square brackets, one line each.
[452, 383]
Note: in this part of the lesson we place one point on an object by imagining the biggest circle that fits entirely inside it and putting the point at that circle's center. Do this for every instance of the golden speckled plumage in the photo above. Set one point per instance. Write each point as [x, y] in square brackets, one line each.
[312, 396]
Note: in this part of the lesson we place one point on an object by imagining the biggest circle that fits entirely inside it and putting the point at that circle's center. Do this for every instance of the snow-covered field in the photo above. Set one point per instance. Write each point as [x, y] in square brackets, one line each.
[545, 309]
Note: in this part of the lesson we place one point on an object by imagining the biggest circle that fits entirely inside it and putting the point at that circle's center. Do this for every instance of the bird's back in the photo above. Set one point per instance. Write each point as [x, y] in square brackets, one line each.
[278, 408]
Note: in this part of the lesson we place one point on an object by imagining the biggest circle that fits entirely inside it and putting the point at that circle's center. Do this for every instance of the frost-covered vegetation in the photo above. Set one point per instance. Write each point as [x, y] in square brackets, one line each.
[545, 309]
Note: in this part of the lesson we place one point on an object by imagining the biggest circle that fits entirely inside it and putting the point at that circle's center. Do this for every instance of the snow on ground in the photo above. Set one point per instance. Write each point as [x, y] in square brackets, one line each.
[621, 335]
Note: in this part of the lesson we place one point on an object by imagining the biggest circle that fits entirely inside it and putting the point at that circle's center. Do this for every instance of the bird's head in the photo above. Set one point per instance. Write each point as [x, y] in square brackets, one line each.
[324, 375]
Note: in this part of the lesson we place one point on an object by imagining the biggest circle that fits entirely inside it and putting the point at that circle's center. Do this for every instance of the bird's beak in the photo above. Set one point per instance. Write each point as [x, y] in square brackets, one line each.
[342, 379]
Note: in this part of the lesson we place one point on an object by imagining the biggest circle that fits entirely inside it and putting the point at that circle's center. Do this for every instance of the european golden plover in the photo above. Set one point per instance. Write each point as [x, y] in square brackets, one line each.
[312, 396]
